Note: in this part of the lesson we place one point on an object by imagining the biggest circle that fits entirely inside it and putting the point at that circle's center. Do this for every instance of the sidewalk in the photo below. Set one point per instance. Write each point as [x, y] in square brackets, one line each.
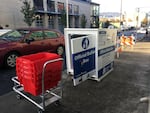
[119, 92]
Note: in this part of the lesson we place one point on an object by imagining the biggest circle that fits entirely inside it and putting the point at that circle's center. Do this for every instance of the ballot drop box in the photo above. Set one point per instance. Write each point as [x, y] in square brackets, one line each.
[89, 53]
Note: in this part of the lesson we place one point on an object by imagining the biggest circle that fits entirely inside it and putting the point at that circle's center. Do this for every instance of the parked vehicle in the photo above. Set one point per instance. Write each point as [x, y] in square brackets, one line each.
[141, 30]
[26, 41]
[3, 31]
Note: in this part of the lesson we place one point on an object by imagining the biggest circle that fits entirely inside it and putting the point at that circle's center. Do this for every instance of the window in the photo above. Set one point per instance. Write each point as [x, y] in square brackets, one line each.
[39, 21]
[51, 21]
[12, 35]
[50, 6]
[60, 23]
[76, 21]
[37, 35]
[76, 9]
[23, 32]
[38, 4]
[70, 8]
[50, 34]
[60, 7]
[95, 10]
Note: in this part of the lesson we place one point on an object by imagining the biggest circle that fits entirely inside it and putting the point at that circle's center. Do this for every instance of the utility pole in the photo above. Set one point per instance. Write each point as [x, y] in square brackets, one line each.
[137, 19]
[117, 39]
[120, 13]
[67, 13]
[148, 18]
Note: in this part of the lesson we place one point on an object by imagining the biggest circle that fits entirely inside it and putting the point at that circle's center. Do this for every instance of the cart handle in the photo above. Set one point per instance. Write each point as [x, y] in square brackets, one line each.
[43, 72]
[15, 80]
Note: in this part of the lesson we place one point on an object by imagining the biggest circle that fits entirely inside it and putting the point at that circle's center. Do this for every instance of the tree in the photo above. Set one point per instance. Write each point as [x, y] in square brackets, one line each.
[144, 22]
[83, 21]
[28, 12]
[130, 20]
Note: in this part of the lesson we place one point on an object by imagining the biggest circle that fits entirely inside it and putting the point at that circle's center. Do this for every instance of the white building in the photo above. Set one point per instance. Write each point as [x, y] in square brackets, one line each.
[49, 13]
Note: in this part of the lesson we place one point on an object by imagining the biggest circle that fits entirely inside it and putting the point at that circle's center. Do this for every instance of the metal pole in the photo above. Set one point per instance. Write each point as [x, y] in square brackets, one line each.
[120, 13]
[67, 14]
[138, 10]
[117, 40]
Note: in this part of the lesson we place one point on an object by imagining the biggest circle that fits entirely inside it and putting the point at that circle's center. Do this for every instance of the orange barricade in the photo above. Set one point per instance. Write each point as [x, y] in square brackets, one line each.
[123, 38]
[122, 42]
[129, 41]
[132, 41]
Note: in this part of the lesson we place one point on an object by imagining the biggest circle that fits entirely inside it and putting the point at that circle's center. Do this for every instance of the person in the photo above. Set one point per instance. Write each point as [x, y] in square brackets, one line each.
[146, 33]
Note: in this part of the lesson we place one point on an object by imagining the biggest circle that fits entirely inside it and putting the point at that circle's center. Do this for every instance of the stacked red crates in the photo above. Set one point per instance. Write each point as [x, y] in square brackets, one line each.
[29, 71]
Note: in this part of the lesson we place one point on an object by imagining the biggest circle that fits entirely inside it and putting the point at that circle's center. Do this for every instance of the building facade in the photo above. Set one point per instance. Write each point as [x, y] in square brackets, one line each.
[50, 13]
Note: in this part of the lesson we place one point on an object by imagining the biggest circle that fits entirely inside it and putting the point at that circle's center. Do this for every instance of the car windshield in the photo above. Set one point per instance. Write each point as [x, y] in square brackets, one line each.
[3, 31]
[13, 35]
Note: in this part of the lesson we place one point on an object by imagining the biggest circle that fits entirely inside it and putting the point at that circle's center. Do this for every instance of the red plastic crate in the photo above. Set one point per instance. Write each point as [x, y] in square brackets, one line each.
[29, 71]
[33, 64]
[35, 88]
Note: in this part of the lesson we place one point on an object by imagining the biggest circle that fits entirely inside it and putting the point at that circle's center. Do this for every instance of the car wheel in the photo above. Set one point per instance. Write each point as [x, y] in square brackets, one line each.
[10, 60]
[60, 50]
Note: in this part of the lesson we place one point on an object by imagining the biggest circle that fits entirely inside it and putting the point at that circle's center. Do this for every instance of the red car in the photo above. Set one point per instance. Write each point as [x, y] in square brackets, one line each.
[25, 41]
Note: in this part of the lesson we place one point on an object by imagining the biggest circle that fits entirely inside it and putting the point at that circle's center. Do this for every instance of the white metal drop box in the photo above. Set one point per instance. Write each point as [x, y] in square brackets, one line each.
[89, 53]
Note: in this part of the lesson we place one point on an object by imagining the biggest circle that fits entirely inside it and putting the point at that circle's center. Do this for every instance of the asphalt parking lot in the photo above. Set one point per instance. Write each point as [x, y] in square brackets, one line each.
[119, 92]
[5, 80]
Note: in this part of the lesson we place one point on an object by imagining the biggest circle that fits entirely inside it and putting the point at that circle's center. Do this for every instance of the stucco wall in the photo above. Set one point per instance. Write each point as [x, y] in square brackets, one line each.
[11, 15]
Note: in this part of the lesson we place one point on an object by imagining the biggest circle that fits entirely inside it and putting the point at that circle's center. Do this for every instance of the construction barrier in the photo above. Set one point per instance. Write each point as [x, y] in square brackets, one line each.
[127, 40]
[123, 41]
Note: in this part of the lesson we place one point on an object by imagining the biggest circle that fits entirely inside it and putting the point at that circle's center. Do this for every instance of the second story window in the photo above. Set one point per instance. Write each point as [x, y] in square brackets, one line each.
[95, 10]
[60, 7]
[50, 6]
[70, 8]
[76, 9]
[38, 4]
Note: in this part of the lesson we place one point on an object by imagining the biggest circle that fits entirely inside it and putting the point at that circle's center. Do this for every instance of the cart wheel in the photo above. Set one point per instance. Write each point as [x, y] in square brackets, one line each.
[40, 111]
[58, 103]
[18, 96]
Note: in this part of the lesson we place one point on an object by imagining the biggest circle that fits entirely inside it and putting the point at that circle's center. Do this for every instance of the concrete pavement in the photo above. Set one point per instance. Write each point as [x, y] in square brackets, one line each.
[119, 92]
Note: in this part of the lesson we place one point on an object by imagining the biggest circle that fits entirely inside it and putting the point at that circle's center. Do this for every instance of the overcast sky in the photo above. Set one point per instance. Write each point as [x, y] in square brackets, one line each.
[127, 5]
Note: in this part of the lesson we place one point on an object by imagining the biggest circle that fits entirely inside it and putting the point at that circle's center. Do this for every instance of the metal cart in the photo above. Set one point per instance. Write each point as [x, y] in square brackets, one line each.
[47, 97]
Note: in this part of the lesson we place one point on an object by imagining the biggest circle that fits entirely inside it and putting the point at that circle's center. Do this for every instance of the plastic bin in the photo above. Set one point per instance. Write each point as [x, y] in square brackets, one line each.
[29, 71]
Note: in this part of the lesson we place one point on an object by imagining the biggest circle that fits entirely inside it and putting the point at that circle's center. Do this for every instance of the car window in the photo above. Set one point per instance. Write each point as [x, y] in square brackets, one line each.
[37, 35]
[3, 31]
[12, 35]
[50, 34]
[24, 32]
